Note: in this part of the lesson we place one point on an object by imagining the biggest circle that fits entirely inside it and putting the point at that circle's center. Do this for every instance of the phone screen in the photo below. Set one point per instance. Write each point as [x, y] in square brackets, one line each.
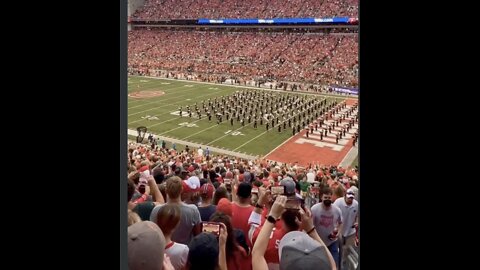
[278, 190]
[293, 204]
[211, 227]
[145, 174]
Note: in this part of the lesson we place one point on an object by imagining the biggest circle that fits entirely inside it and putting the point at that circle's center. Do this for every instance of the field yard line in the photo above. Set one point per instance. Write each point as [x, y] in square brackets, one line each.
[279, 146]
[199, 132]
[196, 145]
[250, 140]
[166, 105]
[175, 92]
[163, 100]
[229, 133]
[258, 88]
[171, 104]
[156, 123]
[176, 127]
[162, 95]
[141, 119]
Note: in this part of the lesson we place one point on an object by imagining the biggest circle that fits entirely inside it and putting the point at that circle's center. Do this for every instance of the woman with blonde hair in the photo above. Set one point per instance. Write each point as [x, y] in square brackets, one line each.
[133, 217]
[338, 191]
[168, 218]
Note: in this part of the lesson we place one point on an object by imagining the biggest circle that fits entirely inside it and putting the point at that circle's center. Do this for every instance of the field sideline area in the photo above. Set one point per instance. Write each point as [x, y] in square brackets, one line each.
[154, 103]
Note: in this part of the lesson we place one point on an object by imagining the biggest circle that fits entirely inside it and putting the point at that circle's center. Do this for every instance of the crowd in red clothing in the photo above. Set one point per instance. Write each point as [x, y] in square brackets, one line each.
[213, 9]
[172, 193]
[290, 57]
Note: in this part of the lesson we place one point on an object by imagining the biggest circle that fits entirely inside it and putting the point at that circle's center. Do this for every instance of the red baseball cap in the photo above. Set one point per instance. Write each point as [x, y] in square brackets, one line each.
[207, 189]
[225, 206]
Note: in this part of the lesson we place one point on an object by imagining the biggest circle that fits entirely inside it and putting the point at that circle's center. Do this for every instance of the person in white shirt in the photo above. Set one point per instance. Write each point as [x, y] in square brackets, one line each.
[200, 151]
[349, 207]
[310, 176]
[168, 218]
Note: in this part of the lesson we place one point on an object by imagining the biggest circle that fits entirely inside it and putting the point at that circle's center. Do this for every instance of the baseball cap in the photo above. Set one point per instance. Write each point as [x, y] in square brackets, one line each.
[193, 182]
[224, 206]
[289, 185]
[143, 169]
[208, 189]
[350, 193]
[297, 250]
[203, 251]
[247, 177]
[244, 190]
[146, 246]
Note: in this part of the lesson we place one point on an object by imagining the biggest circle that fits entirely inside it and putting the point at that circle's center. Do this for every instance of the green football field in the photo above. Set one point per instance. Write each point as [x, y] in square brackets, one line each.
[157, 114]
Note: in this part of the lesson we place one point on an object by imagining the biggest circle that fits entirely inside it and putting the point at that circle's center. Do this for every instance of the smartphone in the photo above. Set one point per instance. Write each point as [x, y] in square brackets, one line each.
[293, 204]
[142, 188]
[145, 174]
[278, 190]
[211, 227]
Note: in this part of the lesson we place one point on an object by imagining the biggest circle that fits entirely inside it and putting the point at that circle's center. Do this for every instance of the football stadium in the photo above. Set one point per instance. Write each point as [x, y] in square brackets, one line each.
[243, 134]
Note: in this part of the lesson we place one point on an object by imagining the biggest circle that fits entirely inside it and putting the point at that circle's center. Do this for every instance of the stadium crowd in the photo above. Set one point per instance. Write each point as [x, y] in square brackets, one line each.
[191, 209]
[247, 56]
[215, 9]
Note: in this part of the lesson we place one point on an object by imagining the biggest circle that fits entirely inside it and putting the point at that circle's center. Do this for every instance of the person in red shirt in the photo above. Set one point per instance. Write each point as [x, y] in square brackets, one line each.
[290, 222]
[237, 257]
[241, 208]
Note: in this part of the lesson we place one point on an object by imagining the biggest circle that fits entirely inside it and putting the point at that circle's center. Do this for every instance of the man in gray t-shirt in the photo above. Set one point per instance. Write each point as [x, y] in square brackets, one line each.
[327, 219]
[190, 220]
